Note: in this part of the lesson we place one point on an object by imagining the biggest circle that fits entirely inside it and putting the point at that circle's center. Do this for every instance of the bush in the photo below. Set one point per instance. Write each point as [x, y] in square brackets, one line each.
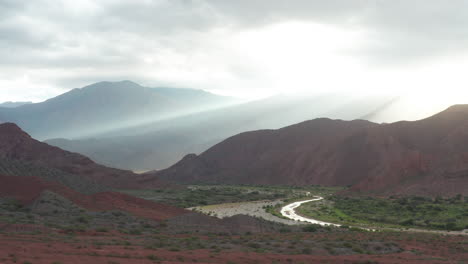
[452, 226]
[82, 219]
[102, 229]
[152, 257]
[311, 228]
[135, 232]
[407, 222]
[254, 245]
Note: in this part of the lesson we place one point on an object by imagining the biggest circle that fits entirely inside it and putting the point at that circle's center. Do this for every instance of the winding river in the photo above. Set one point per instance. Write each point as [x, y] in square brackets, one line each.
[288, 211]
[256, 209]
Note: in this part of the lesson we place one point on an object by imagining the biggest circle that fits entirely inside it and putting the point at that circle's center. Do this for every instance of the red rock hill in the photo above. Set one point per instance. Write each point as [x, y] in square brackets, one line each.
[17, 145]
[426, 157]
[22, 157]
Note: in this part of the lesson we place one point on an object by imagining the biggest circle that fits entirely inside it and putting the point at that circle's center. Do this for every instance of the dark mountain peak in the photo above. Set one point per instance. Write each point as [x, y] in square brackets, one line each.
[9, 126]
[457, 108]
[12, 130]
[18, 146]
[454, 113]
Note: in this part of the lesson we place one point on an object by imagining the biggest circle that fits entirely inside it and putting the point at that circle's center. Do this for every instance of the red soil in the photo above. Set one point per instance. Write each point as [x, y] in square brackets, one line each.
[83, 249]
[28, 189]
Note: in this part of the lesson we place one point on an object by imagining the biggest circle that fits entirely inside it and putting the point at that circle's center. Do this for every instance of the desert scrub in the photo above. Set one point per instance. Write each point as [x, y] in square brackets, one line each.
[198, 195]
[417, 212]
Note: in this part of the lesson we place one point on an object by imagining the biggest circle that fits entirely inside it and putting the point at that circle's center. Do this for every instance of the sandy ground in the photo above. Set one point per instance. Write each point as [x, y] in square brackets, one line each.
[42, 249]
[247, 208]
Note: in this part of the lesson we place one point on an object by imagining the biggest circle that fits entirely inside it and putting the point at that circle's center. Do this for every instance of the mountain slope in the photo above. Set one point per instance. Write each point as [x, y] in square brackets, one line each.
[27, 190]
[23, 151]
[80, 184]
[105, 106]
[426, 157]
[30, 169]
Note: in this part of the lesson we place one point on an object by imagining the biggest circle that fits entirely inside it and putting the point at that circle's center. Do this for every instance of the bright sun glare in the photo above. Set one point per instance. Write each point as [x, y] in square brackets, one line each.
[298, 58]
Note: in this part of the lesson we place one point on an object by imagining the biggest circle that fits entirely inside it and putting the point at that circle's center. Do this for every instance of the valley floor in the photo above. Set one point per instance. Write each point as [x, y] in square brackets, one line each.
[19, 245]
[249, 232]
[257, 209]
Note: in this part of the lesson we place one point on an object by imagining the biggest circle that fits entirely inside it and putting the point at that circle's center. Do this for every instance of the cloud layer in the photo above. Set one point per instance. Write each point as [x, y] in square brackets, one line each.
[247, 48]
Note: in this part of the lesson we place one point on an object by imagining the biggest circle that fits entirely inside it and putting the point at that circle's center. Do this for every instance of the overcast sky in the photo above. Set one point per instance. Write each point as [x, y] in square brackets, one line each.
[248, 48]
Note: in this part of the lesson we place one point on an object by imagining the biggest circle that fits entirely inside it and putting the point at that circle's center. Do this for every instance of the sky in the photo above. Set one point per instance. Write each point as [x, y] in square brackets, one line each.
[244, 48]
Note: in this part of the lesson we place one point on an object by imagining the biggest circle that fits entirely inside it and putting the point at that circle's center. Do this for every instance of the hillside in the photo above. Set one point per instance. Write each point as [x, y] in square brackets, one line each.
[105, 106]
[80, 184]
[426, 157]
[23, 155]
[36, 174]
[27, 190]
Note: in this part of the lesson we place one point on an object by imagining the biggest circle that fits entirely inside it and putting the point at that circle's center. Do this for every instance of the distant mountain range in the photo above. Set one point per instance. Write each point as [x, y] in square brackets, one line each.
[426, 157]
[106, 106]
[128, 126]
[158, 145]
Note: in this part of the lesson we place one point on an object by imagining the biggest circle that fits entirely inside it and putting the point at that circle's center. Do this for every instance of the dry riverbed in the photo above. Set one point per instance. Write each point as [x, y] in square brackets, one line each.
[255, 209]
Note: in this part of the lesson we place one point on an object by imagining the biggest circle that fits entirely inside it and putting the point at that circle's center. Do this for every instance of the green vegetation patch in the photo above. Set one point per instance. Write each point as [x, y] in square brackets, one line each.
[199, 195]
[417, 212]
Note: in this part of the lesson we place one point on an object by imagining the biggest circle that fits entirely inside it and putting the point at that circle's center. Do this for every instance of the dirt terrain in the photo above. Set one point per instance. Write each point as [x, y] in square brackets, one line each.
[331, 247]
[255, 209]
[27, 189]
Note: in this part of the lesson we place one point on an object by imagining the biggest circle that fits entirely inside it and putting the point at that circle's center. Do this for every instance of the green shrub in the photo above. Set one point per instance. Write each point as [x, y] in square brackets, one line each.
[254, 245]
[311, 228]
[102, 229]
[152, 257]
